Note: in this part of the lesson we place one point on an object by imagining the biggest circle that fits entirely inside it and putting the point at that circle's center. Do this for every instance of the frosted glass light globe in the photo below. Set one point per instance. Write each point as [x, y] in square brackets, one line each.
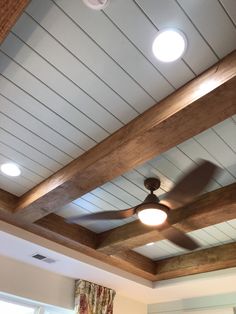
[152, 216]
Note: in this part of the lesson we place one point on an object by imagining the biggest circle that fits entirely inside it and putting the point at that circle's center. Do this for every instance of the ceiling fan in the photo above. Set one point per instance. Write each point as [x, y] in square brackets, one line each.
[154, 212]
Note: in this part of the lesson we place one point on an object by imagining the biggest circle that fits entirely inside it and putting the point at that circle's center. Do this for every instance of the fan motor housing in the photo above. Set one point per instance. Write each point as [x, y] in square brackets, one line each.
[152, 184]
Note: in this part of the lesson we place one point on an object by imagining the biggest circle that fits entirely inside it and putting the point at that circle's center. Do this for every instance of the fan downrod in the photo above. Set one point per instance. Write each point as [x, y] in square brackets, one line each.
[152, 184]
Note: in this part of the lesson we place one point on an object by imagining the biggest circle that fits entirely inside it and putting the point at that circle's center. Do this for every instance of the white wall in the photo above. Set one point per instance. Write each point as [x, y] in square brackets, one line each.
[34, 283]
[123, 305]
[30, 282]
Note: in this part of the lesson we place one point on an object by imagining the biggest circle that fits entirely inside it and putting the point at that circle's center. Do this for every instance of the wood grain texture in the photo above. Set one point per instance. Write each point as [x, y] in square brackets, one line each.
[7, 201]
[10, 11]
[180, 116]
[207, 260]
[209, 209]
[135, 259]
[80, 234]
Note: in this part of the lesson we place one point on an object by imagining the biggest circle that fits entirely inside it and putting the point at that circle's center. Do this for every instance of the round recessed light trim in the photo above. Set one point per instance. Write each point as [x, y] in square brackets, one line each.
[96, 4]
[10, 169]
[169, 45]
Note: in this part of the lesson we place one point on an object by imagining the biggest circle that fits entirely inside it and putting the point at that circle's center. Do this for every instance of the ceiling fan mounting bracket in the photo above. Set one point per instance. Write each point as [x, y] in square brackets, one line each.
[152, 184]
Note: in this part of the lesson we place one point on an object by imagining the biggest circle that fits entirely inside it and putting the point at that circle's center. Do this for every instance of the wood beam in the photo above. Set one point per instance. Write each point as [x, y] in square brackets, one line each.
[10, 11]
[85, 241]
[209, 209]
[79, 234]
[187, 112]
[214, 258]
[80, 239]
[131, 258]
[7, 201]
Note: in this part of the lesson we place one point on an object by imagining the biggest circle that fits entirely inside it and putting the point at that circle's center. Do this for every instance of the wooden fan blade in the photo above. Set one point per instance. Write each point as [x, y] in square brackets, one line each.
[190, 185]
[179, 238]
[110, 215]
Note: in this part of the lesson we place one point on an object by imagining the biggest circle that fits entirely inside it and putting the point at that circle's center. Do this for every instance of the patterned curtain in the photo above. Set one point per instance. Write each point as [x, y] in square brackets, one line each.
[93, 299]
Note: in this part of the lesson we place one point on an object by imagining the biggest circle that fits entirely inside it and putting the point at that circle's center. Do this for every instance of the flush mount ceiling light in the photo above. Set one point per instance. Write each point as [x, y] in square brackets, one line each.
[10, 169]
[169, 45]
[96, 4]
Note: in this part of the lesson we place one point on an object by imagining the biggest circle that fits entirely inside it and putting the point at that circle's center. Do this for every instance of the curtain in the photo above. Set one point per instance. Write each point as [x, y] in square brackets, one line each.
[93, 299]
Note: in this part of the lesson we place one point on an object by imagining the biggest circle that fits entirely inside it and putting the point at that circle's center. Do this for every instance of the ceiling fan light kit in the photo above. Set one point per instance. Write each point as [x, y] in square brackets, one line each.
[152, 216]
[151, 212]
[154, 212]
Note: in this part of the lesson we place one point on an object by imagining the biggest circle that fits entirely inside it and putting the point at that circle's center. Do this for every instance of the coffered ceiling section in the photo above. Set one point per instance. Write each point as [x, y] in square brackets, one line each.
[71, 76]
[217, 144]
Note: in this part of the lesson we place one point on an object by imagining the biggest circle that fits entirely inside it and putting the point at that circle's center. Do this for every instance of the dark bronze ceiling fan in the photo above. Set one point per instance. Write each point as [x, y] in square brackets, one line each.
[154, 212]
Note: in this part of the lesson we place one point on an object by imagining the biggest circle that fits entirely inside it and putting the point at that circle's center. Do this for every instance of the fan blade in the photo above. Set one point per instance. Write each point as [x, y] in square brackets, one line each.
[179, 238]
[190, 185]
[111, 214]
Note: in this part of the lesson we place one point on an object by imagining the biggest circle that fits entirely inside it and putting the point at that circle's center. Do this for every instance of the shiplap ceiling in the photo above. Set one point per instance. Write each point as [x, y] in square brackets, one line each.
[214, 235]
[71, 76]
[217, 144]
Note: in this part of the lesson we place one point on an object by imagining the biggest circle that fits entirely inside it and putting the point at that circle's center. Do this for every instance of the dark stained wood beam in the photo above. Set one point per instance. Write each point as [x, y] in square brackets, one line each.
[79, 234]
[80, 239]
[8, 201]
[131, 258]
[214, 258]
[187, 112]
[10, 11]
[126, 237]
[209, 209]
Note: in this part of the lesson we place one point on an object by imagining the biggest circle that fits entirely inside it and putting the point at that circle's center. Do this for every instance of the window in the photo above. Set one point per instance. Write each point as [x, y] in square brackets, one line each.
[13, 308]
[14, 305]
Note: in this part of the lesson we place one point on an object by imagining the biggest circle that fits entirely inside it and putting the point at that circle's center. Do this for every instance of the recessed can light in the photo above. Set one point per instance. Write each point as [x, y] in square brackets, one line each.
[169, 45]
[96, 4]
[10, 169]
